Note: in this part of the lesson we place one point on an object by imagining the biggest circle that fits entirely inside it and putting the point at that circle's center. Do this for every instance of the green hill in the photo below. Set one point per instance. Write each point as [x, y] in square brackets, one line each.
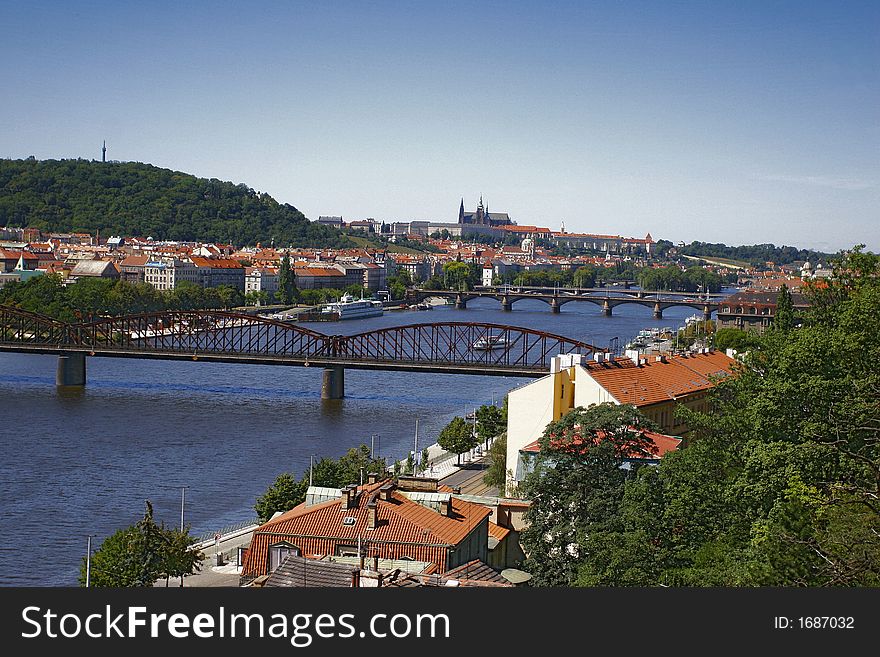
[141, 200]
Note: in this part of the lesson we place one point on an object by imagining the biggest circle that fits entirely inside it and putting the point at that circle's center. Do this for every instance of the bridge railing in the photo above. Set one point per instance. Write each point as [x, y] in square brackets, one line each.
[220, 333]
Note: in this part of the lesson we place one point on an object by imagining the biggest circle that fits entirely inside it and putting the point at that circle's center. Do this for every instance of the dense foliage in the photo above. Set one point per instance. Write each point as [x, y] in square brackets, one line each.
[139, 555]
[457, 437]
[672, 279]
[88, 298]
[141, 200]
[756, 254]
[576, 487]
[286, 491]
[780, 481]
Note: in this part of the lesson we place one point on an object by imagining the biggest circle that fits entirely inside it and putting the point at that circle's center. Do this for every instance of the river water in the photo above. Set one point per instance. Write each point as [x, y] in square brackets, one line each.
[79, 463]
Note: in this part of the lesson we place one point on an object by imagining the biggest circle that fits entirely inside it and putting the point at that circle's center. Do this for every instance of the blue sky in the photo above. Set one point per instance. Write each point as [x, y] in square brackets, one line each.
[726, 122]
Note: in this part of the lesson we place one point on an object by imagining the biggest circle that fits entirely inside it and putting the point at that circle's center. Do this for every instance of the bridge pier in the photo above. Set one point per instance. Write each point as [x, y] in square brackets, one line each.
[460, 302]
[707, 314]
[606, 308]
[658, 311]
[71, 370]
[333, 383]
[506, 304]
[555, 306]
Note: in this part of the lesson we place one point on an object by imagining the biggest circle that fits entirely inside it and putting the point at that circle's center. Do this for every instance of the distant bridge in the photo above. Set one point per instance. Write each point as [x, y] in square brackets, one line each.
[557, 297]
[215, 336]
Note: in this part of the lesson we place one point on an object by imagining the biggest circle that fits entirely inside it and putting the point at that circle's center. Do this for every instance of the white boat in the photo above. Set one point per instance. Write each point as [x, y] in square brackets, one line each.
[350, 308]
[491, 342]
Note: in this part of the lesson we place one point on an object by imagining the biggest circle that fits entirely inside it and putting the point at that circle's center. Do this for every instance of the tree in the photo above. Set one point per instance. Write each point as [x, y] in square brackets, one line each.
[783, 319]
[576, 487]
[284, 494]
[138, 555]
[457, 437]
[286, 281]
[778, 485]
[734, 338]
[489, 422]
[584, 277]
[496, 474]
[457, 275]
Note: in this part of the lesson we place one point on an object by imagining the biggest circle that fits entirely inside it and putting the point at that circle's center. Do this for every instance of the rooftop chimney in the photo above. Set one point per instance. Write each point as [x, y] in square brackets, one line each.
[372, 477]
[349, 496]
[372, 514]
[446, 507]
[385, 491]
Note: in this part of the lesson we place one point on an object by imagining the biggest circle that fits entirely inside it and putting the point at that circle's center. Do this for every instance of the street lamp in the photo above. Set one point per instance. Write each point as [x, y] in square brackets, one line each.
[182, 513]
[89, 560]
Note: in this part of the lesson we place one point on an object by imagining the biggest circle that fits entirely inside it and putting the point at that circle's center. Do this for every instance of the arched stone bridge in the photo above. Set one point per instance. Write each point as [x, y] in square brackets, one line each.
[558, 298]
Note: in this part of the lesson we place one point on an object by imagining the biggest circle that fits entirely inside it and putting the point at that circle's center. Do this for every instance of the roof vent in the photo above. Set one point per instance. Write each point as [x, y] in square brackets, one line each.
[348, 520]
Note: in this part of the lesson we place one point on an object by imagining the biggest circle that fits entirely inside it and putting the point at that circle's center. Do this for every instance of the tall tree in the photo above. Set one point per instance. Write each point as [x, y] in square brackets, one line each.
[576, 486]
[286, 281]
[138, 555]
[783, 319]
[457, 437]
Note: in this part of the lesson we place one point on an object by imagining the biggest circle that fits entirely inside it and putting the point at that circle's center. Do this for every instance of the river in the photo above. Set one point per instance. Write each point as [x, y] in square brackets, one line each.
[82, 462]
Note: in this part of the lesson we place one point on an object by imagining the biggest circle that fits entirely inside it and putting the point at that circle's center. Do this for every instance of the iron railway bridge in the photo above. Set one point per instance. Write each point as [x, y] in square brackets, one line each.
[215, 336]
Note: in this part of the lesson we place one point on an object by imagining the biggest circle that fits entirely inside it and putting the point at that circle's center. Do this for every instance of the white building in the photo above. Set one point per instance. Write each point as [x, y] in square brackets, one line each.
[655, 386]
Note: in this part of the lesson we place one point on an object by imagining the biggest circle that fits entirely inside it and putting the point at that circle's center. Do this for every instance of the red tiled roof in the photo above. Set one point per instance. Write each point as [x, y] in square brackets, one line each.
[319, 528]
[216, 263]
[317, 271]
[497, 531]
[135, 261]
[656, 381]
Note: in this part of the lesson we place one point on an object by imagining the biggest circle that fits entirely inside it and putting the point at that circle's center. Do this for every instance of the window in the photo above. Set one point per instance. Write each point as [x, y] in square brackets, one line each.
[278, 553]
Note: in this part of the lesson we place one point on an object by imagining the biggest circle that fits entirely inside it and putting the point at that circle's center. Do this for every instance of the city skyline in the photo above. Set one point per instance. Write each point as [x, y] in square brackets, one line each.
[744, 125]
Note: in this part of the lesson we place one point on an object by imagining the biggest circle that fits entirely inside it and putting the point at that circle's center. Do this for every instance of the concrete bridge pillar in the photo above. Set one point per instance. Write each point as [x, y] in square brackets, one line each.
[460, 302]
[606, 308]
[506, 304]
[333, 383]
[658, 311]
[71, 370]
[555, 306]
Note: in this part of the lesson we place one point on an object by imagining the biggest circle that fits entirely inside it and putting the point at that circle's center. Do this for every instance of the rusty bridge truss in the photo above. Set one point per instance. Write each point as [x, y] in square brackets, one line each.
[450, 347]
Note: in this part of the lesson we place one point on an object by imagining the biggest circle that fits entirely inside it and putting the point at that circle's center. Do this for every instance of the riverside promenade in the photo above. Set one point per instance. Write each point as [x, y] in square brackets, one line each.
[224, 572]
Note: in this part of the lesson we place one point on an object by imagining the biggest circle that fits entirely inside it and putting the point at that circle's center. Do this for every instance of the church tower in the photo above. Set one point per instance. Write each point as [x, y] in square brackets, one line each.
[461, 212]
[104, 152]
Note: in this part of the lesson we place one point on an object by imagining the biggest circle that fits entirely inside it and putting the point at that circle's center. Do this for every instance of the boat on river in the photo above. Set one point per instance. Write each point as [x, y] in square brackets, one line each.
[491, 342]
[350, 308]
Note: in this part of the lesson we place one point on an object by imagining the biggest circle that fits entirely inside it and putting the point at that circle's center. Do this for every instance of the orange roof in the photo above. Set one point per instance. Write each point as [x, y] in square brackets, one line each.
[401, 521]
[497, 531]
[216, 263]
[317, 271]
[657, 381]
[135, 261]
